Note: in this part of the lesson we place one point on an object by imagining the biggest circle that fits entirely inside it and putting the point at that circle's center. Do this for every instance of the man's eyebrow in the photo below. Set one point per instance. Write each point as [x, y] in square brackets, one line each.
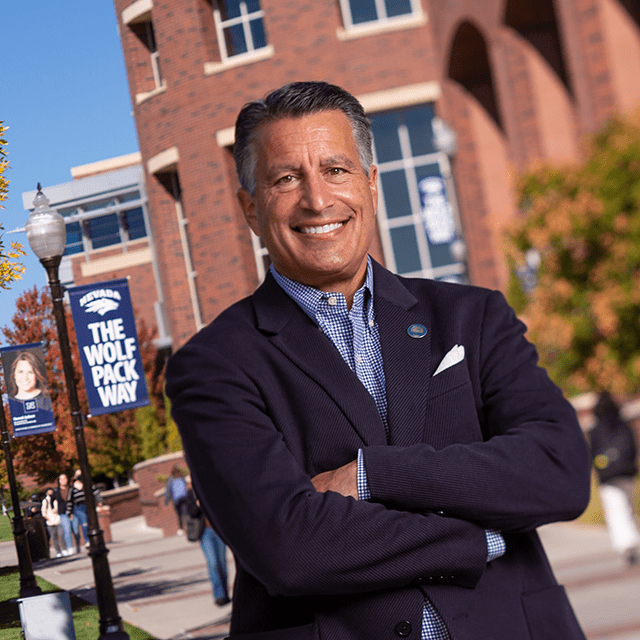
[338, 159]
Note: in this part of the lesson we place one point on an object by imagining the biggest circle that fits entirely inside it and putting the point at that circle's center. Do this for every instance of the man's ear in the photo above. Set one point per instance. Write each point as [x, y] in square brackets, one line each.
[248, 206]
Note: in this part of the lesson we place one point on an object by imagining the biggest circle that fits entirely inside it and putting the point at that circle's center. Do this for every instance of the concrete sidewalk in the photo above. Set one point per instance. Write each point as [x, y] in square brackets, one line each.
[162, 584]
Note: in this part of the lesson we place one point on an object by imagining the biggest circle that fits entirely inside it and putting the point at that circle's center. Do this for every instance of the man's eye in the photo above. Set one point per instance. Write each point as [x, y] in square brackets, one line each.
[335, 171]
[285, 180]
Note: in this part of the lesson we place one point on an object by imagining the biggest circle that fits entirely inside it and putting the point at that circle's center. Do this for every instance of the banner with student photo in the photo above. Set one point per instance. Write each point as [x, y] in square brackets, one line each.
[108, 344]
[25, 375]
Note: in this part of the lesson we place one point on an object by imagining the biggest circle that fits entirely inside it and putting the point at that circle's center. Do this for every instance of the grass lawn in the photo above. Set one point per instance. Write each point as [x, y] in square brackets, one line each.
[85, 615]
[6, 533]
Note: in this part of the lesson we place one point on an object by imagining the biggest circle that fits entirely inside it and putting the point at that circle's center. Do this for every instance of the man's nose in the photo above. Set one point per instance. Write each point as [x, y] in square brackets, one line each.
[317, 194]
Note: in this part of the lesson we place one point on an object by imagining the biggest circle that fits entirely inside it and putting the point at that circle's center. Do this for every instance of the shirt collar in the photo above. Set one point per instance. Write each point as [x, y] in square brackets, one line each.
[309, 298]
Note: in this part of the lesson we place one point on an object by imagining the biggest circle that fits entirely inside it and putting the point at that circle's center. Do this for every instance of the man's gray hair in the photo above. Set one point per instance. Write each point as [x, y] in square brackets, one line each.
[296, 100]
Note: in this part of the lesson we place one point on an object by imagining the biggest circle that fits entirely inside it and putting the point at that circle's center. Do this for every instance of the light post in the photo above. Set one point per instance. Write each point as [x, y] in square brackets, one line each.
[47, 235]
[28, 585]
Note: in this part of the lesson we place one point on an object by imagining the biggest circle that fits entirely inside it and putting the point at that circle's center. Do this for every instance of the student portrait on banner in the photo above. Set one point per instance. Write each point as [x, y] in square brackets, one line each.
[28, 389]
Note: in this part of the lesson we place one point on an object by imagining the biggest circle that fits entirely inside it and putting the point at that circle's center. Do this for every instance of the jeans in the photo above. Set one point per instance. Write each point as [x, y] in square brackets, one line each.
[80, 515]
[214, 552]
[65, 523]
[54, 532]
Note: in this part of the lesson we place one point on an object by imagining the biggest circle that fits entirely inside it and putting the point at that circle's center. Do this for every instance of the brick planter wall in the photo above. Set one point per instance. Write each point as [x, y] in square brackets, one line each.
[149, 477]
[124, 502]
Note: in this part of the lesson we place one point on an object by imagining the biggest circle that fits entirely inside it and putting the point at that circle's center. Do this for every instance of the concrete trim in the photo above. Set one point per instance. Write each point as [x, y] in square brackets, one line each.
[118, 261]
[397, 97]
[163, 160]
[176, 455]
[136, 12]
[364, 31]
[141, 97]
[101, 166]
[211, 68]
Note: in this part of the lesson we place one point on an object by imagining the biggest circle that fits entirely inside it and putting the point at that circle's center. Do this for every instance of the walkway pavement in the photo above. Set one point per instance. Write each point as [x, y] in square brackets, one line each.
[162, 585]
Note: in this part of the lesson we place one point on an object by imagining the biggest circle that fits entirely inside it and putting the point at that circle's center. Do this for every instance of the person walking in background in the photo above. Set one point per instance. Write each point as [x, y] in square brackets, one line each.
[60, 493]
[176, 491]
[50, 510]
[614, 452]
[76, 506]
[215, 551]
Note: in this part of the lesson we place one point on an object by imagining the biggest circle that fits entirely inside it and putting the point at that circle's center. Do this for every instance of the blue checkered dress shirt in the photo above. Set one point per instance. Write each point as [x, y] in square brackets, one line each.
[354, 333]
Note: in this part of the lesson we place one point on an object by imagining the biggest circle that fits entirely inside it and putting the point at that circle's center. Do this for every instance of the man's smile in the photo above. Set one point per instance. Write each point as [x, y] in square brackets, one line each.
[325, 228]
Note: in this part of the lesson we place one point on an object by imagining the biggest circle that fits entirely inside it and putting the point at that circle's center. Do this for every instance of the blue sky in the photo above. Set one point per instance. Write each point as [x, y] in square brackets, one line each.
[64, 95]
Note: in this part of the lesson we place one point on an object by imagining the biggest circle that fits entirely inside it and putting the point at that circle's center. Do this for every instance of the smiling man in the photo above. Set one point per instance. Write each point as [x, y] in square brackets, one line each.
[376, 451]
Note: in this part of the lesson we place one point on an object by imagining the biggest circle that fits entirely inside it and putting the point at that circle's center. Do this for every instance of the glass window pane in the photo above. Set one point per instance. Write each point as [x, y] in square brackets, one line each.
[363, 11]
[134, 223]
[397, 7]
[418, 122]
[258, 34]
[395, 193]
[74, 238]
[104, 231]
[67, 212]
[128, 197]
[440, 254]
[385, 137]
[98, 205]
[405, 249]
[252, 5]
[229, 9]
[236, 42]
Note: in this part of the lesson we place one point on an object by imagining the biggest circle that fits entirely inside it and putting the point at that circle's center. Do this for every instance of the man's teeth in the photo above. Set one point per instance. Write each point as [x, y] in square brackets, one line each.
[323, 229]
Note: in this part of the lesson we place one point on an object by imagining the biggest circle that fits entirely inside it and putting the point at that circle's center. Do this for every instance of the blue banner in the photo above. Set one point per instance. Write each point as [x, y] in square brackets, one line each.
[25, 375]
[108, 344]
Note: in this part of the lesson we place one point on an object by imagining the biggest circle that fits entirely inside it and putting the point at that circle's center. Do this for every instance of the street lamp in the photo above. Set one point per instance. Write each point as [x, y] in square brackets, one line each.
[47, 235]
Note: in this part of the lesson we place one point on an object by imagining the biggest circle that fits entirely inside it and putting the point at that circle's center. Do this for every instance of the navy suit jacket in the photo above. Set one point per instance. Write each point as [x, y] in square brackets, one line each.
[264, 402]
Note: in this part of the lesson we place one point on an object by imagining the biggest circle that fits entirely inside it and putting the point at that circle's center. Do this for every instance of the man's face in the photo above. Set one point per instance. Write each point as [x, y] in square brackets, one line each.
[314, 206]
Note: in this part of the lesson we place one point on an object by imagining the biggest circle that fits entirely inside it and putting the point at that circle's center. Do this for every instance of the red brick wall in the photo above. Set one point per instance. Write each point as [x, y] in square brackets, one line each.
[150, 477]
[124, 502]
[195, 106]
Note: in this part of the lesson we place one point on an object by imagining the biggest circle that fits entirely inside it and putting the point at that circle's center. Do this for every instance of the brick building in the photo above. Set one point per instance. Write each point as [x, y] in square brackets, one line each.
[516, 80]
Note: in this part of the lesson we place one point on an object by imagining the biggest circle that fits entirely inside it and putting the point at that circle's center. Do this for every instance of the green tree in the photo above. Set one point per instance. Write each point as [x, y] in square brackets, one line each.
[583, 222]
[10, 268]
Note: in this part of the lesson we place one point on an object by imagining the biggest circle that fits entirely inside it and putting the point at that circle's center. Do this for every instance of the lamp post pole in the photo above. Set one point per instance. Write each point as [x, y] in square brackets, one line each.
[47, 227]
[28, 585]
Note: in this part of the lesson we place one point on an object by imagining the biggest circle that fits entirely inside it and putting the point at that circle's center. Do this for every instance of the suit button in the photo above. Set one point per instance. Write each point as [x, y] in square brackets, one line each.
[403, 629]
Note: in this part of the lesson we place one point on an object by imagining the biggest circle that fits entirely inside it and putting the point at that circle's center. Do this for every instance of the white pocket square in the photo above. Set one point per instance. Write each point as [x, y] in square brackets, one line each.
[453, 357]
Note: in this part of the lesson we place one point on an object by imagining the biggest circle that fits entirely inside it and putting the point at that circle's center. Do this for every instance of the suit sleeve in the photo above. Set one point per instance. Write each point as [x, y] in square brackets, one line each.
[293, 539]
[533, 466]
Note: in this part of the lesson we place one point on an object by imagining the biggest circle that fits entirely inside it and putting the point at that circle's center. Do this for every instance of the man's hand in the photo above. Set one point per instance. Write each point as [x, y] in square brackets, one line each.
[342, 480]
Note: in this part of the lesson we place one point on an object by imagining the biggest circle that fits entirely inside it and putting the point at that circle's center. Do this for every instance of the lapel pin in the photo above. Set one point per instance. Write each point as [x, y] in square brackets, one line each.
[417, 331]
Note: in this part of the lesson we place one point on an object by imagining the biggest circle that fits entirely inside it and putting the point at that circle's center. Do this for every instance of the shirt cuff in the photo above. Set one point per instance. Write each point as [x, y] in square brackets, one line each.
[496, 545]
[364, 493]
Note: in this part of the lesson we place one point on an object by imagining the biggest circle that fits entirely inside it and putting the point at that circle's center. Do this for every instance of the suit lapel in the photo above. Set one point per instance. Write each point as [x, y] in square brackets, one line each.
[307, 347]
[407, 360]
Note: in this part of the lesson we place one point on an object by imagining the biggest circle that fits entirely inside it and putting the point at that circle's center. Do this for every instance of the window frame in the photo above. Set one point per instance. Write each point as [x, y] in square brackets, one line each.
[408, 163]
[244, 20]
[383, 21]
[120, 208]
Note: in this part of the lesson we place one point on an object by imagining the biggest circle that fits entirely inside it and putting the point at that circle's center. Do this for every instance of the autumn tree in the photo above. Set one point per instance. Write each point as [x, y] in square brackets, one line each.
[10, 268]
[114, 441]
[583, 222]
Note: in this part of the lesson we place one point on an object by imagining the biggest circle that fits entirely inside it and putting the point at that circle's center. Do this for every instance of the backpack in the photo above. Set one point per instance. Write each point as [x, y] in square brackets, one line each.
[194, 519]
